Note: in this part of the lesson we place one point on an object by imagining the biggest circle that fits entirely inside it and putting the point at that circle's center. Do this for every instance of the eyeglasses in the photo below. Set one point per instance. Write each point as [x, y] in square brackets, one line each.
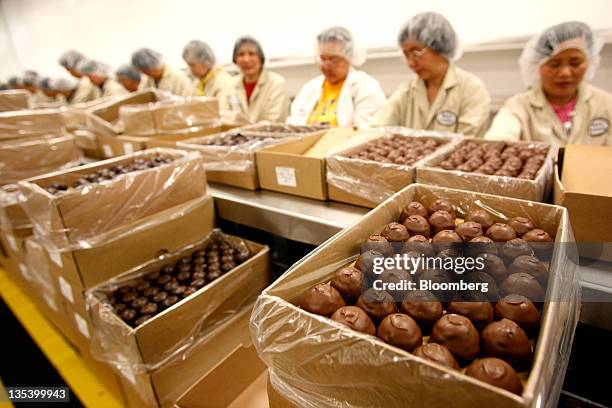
[415, 54]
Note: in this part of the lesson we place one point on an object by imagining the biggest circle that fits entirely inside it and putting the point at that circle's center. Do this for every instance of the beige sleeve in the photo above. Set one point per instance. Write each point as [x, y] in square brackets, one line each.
[85, 92]
[506, 126]
[276, 108]
[182, 86]
[390, 114]
[476, 110]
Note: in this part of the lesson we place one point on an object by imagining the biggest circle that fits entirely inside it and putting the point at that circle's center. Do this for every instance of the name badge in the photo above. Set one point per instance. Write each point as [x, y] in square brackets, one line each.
[598, 127]
[446, 118]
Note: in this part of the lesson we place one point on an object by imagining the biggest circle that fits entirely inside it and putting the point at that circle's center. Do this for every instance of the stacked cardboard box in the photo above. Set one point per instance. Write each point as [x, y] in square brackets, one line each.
[14, 99]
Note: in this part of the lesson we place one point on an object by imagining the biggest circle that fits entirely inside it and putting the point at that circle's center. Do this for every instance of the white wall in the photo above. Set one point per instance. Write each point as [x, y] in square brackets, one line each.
[110, 30]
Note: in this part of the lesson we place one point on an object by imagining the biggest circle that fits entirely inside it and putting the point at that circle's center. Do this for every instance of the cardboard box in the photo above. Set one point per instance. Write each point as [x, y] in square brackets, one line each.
[12, 217]
[29, 123]
[324, 363]
[89, 214]
[534, 190]
[276, 399]
[368, 183]
[114, 146]
[582, 185]
[14, 99]
[13, 258]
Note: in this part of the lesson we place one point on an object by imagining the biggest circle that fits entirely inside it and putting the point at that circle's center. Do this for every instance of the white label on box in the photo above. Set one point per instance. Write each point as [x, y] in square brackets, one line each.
[12, 242]
[81, 325]
[285, 176]
[56, 257]
[50, 302]
[128, 148]
[24, 272]
[66, 289]
[108, 151]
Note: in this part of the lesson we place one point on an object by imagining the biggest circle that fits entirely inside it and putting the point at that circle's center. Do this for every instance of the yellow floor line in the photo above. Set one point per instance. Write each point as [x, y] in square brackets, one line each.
[58, 351]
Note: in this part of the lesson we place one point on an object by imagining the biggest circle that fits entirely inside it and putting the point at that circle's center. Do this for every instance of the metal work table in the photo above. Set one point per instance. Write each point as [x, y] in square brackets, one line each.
[313, 222]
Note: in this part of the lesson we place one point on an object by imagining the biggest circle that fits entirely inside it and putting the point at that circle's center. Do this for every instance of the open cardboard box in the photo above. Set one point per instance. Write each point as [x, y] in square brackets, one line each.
[75, 216]
[534, 190]
[14, 99]
[582, 184]
[368, 183]
[315, 361]
[29, 123]
[12, 217]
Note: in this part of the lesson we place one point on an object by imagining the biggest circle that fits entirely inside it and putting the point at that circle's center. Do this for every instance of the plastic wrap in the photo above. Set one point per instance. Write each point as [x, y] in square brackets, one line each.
[241, 157]
[316, 362]
[14, 99]
[75, 116]
[27, 157]
[374, 181]
[27, 123]
[170, 336]
[537, 189]
[92, 213]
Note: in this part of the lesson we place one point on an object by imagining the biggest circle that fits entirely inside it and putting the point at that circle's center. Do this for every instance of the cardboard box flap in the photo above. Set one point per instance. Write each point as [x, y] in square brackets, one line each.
[14, 99]
[28, 123]
[581, 163]
[318, 362]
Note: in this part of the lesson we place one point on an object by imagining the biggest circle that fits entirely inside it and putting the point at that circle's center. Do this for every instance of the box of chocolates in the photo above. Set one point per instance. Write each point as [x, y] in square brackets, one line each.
[496, 333]
[30, 123]
[511, 169]
[369, 173]
[229, 157]
[76, 207]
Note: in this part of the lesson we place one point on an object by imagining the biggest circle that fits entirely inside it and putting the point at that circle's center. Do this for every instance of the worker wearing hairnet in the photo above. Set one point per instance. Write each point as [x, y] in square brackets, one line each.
[86, 90]
[441, 96]
[129, 77]
[65, 89]
[211, 79]
[99, 74]
[255, 94]
[15, 82]
[160, 75]
[560, 107]
[342, 96]
[37, 96]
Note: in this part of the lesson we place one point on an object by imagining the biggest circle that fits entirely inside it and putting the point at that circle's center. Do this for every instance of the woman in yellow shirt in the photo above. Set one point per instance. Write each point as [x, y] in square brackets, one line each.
[211, 79]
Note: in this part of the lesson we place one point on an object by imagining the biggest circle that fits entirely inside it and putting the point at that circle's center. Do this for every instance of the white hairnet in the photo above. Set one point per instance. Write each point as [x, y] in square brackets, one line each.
[555, 39]
[128, 71]
[146, 58]
[70, 59]
[63, 84]
[345, 45]
[15, 81]
[43, 83]
[199, 52]
[95, 67]
[433, 30]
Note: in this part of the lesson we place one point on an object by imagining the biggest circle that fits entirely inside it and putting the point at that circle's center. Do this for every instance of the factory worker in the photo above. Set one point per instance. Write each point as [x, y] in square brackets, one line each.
[15, 83]
[560, 107]
[66, 89]
[160, 75]
[37, 96]
[86, 91]
[99, 75]
[44, 84]
[342, 96]
[211, 79]
[129, 77]
[256, 93]
[441, 96]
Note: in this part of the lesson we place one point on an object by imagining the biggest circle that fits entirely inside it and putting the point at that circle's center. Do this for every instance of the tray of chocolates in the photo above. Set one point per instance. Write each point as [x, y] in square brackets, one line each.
[441, 295]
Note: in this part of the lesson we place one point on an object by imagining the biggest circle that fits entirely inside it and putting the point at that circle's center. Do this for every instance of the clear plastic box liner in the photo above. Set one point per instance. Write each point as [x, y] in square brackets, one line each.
[375, 181]
[14, 99]
[169, 335]
[537, 189]
[316, 362]
[92, 213]
[220, 154]
[37, 264]
[75, 116]
[26, 123]
[27, 157]
[181, 116]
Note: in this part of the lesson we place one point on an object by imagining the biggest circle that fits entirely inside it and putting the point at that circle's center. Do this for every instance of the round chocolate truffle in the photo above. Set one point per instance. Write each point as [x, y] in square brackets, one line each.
[322, 299]
[537, 235]
[484, 279]
[149, 308]
[506, 340]
[524, 284]
[480, 245]
[514, 248]
[441, 220]
[521, 225]
[496, 372]
[349, 283]
[417, 225]
[159, 297]
[499, 232]
[170, 300]
[423, 307]
[437, 353]
[521, 311]
[139, 302]
[413, 208]
[365, 262]
[129, 297]
[541, 242]
[439, 276]
[442, 204]
[458, 334]
[481, 217]
[494, 266]
[479, 313]
[377, 243]
[532, 266]
[397, 277]
[141, 320]
[469, 230]
[395, 232]
[401, 331]
[418, 244]
[377, 303]
[446, 237]
[355, 318]
[128, 315]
